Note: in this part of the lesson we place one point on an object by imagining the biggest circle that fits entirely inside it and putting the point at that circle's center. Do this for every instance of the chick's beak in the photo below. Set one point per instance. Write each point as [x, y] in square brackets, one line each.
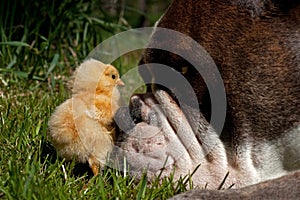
[120, 82]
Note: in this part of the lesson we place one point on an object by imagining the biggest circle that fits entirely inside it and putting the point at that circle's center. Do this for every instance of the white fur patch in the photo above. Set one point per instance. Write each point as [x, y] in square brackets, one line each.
[264, 160]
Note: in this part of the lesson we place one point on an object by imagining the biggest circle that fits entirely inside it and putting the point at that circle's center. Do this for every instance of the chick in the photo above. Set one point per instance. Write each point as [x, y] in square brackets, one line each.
[83, 127]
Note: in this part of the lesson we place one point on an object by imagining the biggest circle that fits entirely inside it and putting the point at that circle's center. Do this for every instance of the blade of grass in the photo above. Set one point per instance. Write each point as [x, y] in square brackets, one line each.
[15, 43]
[142, 187]
[223, 181]
[52, 65]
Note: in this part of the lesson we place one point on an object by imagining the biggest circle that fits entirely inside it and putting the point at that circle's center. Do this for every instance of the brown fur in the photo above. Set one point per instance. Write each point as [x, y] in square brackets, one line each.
[287, 187]
[257, 55]
[256, 47]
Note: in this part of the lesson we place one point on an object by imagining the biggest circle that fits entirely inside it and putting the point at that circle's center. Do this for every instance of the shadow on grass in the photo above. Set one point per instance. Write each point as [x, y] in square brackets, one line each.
[49, 153]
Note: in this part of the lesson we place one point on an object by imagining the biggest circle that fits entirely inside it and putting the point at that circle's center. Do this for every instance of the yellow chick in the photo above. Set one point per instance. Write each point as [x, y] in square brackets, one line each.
[83, 127]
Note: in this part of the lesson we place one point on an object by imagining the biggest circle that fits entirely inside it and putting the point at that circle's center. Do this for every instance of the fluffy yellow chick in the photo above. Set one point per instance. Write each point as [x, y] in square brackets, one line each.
[82, 127]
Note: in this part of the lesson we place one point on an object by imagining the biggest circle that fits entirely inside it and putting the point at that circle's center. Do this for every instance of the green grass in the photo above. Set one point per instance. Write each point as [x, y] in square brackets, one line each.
[42, 42]
[30, 169]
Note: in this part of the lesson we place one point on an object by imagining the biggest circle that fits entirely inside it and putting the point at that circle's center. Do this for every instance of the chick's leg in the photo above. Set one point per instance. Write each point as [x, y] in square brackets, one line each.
[94, 165]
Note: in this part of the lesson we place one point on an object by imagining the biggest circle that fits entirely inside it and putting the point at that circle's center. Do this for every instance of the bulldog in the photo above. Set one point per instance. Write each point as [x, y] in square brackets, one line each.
[255, 45]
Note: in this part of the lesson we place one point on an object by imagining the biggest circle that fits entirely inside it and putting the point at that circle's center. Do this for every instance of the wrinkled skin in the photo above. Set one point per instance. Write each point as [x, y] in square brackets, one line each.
[164, 140]
[256, 46]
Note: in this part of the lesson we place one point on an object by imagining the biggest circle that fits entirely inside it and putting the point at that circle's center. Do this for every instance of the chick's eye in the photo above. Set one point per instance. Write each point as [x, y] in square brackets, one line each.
[113, 76]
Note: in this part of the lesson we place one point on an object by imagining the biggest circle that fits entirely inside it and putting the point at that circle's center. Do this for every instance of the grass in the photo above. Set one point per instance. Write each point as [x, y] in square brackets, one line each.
[42, 42]
[30, 169]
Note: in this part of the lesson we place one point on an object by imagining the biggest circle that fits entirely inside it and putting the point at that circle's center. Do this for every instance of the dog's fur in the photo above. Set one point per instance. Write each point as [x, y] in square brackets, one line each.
[256, 47]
